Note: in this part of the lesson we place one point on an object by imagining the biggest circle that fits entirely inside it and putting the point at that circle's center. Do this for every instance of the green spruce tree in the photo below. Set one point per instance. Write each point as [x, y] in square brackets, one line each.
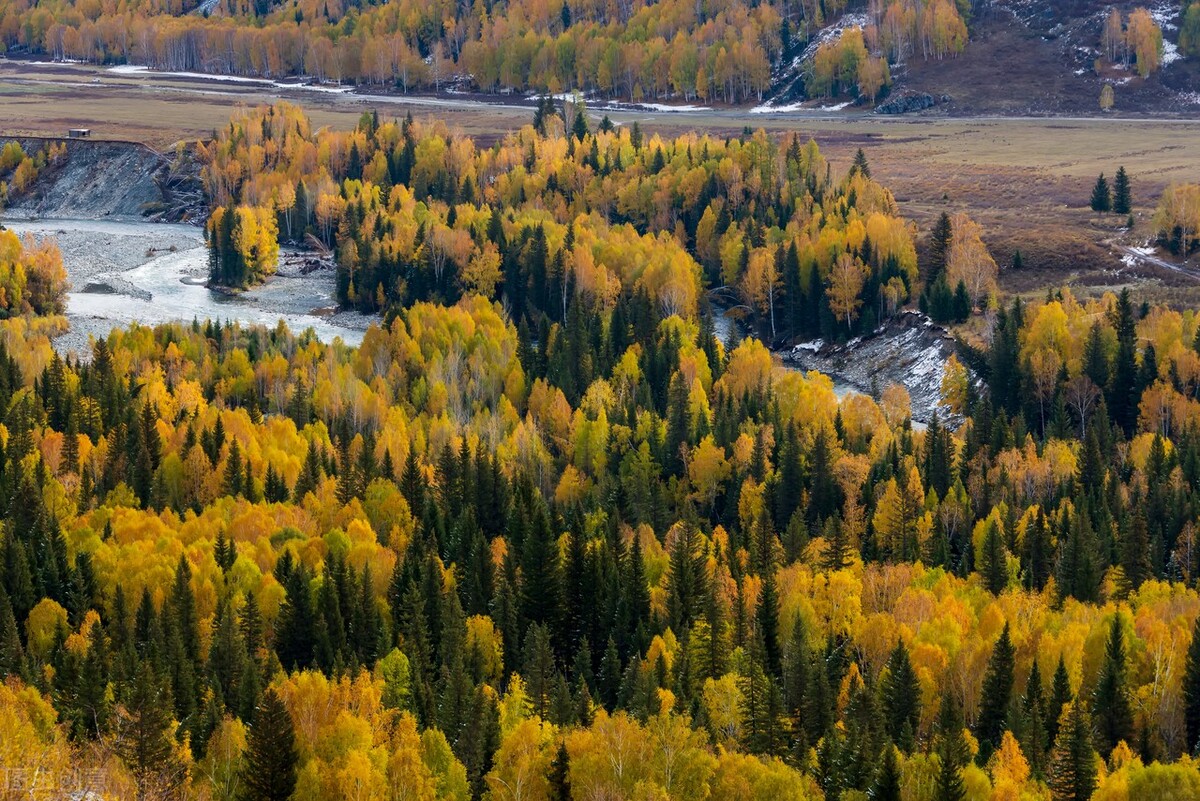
[1122, 202]
[952, 752]
[901, 698]
[1111, 706]
[886, 786]
[1073, 762]
[1191, 690]
[1101, 195]
[144, 739]
[269, 772]
[996, 696]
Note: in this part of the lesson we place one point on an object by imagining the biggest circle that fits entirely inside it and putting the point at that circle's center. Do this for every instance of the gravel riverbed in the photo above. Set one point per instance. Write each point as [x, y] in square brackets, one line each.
[125, 271]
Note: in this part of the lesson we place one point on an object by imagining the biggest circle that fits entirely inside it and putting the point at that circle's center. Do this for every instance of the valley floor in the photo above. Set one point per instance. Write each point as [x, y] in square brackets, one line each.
[1025, 179]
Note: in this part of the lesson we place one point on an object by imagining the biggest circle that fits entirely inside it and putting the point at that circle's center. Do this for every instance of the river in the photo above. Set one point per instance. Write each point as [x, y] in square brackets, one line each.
[129, 271]
[730, 330]
[123, 272]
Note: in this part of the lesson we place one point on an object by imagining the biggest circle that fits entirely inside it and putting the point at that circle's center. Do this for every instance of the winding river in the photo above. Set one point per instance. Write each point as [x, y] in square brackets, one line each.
[151, 273]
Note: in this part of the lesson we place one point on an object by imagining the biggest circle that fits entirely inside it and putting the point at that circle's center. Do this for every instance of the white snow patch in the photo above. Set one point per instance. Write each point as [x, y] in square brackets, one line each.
[208, 76]
[138, 69]
[835, 31]
[767, 108]
[827, 34]
[667, 107]
[1164, 14]
[595, 103]
[1170, 53]
[565, 97]
[335, 89]
[1134, 256]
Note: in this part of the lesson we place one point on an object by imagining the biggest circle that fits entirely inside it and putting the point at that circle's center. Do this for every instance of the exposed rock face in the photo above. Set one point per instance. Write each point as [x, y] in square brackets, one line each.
[105, 179]
[909, 349]
[906, 103]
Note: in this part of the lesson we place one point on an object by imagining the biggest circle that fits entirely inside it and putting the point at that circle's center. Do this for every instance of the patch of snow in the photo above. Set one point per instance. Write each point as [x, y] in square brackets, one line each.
[1164, 14]
[767, 108]
[1081, 71]
[1192, 98]
[1135, 256]
[813, 346]
[138, 69]
[1170, 53]
[828, 34]
[207, 76]
[336, 89]
[565, 97]
[667, 107]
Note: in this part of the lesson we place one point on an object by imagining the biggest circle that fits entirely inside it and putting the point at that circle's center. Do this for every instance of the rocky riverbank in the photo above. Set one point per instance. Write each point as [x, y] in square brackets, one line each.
[909, 350]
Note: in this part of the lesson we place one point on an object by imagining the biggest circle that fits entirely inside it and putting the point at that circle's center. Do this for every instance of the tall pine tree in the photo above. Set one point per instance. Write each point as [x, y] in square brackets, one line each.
[1101, 196]
[269, 772]
[996, 696]
[952, 751]
[1073, 762]
[1191, 690]
[1111, 705]
[901, 697]
[1122, 201]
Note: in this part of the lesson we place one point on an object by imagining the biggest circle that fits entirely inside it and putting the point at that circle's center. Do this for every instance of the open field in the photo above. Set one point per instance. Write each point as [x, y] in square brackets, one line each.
[1027, 180]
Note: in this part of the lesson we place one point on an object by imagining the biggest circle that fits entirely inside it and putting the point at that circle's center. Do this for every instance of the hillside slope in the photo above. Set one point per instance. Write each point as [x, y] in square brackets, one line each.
[1038, 57]
[1025, 57]
[99, 179]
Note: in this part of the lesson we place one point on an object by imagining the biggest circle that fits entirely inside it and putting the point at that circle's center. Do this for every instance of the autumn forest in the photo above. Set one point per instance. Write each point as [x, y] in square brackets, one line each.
[564, 526]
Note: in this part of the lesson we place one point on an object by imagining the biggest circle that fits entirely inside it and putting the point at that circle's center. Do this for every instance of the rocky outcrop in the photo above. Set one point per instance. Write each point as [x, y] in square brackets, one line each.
[909, 350]
[906, 103]
[105, 179]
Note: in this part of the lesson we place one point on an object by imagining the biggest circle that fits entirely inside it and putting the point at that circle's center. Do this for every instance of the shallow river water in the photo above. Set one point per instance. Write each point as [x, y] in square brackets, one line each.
[117, 280]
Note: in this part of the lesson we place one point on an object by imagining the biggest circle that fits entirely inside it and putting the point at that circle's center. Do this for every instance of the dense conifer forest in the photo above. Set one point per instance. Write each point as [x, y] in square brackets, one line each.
[545, 535]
